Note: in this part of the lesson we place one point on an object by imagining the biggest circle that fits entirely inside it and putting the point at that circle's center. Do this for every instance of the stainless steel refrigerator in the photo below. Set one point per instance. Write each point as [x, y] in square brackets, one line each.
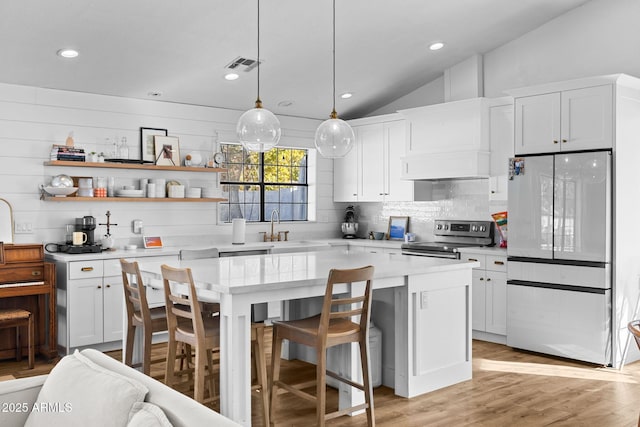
[559, 251]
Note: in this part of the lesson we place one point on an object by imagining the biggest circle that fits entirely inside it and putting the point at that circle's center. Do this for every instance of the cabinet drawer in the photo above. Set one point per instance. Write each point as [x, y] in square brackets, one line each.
[112, 267]
[22, 274]
[496, 263]
[482, 259]
[85, 269]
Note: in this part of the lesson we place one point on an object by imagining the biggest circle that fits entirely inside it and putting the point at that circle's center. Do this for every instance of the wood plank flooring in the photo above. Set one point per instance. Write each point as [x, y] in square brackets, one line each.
[509, 388]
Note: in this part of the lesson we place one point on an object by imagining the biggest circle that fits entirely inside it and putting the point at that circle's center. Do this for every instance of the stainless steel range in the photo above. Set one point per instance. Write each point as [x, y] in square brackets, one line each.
[451, 236]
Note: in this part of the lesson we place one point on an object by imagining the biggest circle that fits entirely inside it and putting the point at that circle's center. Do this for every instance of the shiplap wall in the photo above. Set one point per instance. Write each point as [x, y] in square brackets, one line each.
[32, 119]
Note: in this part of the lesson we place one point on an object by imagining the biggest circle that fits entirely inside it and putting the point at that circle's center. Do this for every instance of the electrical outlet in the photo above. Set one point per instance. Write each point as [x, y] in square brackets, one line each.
[136, 226]
[23, 228]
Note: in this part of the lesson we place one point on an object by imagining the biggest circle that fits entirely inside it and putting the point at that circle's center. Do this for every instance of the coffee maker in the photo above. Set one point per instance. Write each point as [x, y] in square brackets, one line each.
[87, 225]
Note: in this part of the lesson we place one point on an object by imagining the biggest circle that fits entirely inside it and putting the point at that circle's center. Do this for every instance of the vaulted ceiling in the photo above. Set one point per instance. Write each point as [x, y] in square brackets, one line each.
[133, 48]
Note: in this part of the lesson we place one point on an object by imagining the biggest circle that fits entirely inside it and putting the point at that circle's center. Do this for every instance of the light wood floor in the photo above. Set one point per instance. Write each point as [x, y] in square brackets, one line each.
[509, 388]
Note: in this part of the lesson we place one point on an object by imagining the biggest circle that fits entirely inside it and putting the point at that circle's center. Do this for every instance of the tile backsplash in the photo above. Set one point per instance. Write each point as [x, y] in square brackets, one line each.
[450, 199]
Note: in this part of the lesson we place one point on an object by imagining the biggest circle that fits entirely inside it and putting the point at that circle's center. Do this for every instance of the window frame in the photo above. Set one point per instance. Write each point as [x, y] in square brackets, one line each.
[262, 184]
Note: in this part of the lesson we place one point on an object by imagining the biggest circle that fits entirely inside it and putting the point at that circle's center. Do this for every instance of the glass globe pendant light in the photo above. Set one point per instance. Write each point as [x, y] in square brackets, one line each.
[334, 137]
[258, 129]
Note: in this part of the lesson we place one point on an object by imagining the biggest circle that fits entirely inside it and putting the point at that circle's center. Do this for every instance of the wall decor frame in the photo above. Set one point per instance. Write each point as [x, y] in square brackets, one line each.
[147, 143]
[398, 226]
[167, 149]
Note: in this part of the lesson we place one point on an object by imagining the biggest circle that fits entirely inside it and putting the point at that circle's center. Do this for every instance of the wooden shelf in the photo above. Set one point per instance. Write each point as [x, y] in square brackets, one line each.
[132, 199]
[107, 165]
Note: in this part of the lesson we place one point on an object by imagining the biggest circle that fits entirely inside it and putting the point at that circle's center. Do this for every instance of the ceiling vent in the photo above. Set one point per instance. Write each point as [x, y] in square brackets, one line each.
[244, 64]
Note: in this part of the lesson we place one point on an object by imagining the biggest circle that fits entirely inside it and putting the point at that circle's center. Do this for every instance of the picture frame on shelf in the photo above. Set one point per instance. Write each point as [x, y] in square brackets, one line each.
[147, 143]
[398, 226]
[167, 150]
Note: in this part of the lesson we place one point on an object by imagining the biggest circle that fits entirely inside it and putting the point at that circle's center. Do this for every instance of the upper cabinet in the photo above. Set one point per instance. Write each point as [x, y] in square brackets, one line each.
[501, 145]
[371, 171]
[577, 119]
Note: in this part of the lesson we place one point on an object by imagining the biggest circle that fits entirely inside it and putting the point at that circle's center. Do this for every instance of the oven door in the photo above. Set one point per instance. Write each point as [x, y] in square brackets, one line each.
[432, 254]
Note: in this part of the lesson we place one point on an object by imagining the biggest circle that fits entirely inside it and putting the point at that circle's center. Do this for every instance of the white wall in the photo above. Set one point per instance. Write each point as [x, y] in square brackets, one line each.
[431, 93]
[601, 37]
[32, 119]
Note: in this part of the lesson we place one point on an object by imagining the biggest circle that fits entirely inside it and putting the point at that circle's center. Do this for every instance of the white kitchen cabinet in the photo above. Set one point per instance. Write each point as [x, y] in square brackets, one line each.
[501, 145]
[90, 302]
[346, 176]
[565, 120]
[95, 303]
[489, 297]
[371, 171]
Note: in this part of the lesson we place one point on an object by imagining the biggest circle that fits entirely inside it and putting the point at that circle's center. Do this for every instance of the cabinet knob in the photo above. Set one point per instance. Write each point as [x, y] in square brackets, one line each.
[86, 269]
[472, 259]
[488, 279]
[555, 142]
[564, 140]
[355, 194]
[108, 286]
[482, 278]
[99, 287]
[36, 273]
[498, 262]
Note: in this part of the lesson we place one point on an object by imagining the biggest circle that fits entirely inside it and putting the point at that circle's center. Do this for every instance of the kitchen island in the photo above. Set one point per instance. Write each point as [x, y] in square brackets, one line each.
[431, 314]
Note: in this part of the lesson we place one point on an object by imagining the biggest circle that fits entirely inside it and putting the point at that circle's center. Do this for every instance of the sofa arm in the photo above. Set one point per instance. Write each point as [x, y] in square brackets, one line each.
[17, 398]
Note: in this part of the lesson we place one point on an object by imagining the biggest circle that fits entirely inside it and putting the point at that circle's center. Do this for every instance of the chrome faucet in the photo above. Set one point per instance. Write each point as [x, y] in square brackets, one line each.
[272, 237]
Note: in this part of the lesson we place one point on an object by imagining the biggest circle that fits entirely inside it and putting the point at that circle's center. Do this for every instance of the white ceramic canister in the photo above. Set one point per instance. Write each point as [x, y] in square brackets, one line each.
[151, 190]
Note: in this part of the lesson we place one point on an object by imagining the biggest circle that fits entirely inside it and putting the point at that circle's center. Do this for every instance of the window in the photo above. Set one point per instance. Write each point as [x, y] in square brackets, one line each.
[258, 183]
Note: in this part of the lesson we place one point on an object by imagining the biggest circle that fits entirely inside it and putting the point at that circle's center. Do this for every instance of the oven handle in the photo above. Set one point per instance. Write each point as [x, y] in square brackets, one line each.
[432, 254]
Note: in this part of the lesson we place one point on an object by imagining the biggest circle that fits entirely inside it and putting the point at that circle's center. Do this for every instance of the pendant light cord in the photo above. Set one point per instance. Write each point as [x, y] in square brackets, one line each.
[334, 59]
[258, 101]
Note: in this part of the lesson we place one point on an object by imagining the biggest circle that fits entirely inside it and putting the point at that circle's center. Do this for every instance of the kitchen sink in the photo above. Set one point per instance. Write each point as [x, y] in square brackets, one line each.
[298, 246]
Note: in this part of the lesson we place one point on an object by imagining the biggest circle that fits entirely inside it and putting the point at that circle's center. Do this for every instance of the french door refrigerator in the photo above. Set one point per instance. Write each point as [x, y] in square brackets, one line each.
[559, 253]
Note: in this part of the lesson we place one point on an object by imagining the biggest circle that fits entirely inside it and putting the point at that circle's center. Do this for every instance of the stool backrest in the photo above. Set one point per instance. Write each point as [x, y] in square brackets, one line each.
[135, 294]
[337, 307]
[187, 254]
[634, 328]
[181, 306]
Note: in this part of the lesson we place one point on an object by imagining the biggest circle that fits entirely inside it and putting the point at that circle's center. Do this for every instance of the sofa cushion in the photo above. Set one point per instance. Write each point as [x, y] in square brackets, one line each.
[145, 414]
[78, 392]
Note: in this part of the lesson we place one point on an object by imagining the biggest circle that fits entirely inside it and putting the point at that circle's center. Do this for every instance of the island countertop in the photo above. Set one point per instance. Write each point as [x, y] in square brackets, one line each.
[248, 273]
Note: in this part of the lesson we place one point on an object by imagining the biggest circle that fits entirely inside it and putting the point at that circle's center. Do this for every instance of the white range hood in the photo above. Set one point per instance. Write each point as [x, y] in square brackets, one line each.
[448, 141]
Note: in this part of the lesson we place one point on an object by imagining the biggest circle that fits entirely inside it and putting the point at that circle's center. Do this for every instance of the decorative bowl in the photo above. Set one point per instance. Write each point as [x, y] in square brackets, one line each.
[60, 191]
[378, 235]
[61, 181]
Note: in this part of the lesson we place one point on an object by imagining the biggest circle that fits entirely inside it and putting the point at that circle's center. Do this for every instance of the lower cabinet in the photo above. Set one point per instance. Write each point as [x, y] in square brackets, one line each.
[489, 297]
[90, 298]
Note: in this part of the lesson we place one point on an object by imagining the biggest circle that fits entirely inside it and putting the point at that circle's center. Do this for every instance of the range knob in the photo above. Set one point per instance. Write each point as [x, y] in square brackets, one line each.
[438, 226]
[474, 228]
[483, 228]
[446, 226]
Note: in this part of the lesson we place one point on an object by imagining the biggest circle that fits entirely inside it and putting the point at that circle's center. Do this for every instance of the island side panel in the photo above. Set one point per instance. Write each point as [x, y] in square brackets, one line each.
[433, 332]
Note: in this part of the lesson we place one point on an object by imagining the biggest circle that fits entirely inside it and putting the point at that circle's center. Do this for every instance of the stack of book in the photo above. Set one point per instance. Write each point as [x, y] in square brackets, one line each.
[68, 153]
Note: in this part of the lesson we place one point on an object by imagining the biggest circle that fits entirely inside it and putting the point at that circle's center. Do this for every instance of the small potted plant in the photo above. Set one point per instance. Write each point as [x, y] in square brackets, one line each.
[101, 157]
[92, 157]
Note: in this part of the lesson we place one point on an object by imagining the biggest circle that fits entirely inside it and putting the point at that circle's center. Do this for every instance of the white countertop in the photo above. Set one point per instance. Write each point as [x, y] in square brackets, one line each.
[247, 273]
[485, 251]
[225, 247]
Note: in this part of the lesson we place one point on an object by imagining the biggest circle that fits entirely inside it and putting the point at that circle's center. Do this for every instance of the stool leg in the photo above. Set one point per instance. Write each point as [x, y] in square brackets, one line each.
[276, 351]
[31, 341]
[261, 369]
[18, 348]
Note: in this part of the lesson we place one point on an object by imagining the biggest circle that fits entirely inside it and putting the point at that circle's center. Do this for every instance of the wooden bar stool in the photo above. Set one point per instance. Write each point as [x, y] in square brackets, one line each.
[333, 326]
[15, 318]
[140, 315]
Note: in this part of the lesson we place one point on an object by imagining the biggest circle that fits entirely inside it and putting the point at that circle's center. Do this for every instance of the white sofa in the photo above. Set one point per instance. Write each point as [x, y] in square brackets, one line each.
[20, 394]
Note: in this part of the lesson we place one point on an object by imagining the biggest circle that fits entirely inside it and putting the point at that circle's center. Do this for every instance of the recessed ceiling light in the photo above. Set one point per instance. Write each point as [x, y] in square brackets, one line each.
[436, 46]
[285, 103]
[346, 95]
[154, 94]
[67, 53]
[231, 76]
